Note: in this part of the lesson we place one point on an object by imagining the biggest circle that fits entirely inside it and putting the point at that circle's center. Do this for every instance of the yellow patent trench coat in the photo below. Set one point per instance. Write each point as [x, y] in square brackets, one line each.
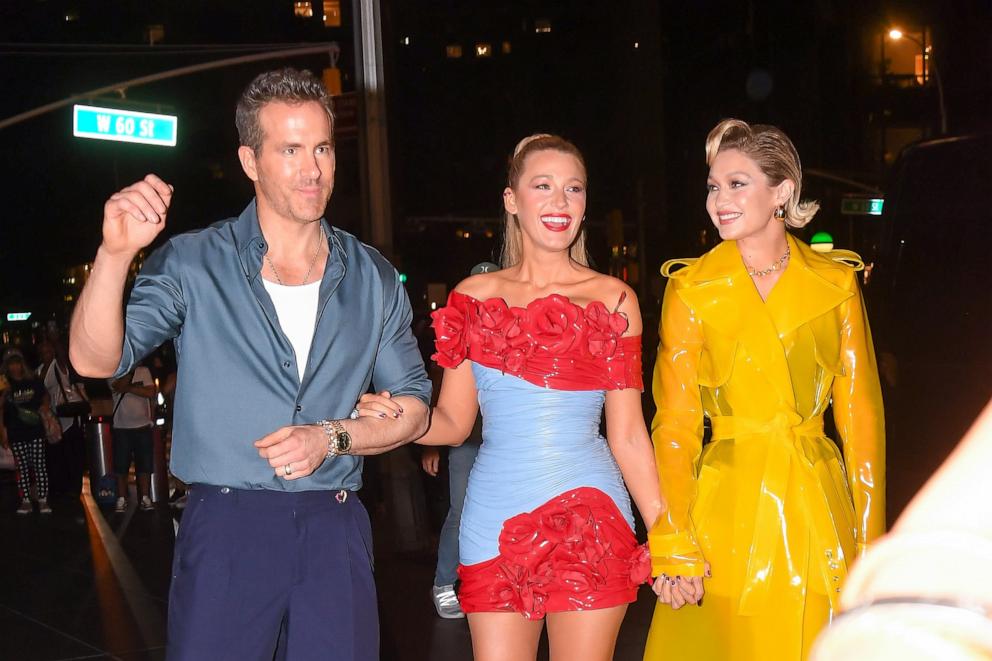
[775, 507]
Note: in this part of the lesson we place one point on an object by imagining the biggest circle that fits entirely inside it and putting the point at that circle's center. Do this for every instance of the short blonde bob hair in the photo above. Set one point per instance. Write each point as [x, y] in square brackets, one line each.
[512, 236]
[775, 156]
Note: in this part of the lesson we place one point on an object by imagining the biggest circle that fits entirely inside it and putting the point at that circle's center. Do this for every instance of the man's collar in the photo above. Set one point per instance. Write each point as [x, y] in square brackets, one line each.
[251, 244]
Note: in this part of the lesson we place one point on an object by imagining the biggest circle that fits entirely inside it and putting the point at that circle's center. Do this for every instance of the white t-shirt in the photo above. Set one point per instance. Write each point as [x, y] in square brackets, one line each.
[59, 395]
[296, 308]
[135, 411]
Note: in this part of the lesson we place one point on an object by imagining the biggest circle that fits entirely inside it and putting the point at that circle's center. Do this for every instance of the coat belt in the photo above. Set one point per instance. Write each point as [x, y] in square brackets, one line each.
[783, 434]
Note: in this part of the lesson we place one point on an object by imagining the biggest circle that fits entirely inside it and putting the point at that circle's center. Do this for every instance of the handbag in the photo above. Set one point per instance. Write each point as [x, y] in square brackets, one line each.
[67, 409]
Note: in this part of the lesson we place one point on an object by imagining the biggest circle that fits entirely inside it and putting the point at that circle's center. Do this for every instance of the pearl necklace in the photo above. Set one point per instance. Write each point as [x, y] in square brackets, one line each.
[313, 260]
[777, 265]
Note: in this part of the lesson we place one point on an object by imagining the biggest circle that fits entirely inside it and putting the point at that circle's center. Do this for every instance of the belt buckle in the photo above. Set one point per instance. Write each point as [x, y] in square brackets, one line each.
[341, 496]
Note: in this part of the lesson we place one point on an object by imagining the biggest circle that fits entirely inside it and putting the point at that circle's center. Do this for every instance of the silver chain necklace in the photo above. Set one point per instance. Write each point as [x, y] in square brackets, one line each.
[777, 265]
[313, 260]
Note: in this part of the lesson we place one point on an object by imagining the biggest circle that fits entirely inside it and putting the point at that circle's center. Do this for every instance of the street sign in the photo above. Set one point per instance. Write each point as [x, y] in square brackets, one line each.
[18, 316]
[124, 125]
[862, 206]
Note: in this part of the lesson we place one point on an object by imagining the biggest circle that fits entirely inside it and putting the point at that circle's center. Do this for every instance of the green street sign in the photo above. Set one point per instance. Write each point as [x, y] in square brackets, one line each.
[124, 126]
[18, 316]
[862, 206]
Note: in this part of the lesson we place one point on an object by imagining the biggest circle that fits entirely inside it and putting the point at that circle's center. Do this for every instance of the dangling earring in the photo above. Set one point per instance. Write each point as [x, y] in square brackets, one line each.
[780, 213]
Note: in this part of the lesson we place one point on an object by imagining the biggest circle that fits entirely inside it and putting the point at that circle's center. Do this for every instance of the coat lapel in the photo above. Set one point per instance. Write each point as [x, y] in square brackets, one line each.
[719, 290]
[803, 293]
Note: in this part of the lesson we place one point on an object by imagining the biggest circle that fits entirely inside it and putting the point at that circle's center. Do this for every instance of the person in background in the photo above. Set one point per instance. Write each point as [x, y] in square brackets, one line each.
[67, 458]
[761, 335]
[22, 429]
[132, 434]
[461, 458]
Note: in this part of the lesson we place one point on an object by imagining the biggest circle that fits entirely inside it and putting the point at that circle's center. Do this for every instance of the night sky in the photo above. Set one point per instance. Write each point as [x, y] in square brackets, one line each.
[640, 113]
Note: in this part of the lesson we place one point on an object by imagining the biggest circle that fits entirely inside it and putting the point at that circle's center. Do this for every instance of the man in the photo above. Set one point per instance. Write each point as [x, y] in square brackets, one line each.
[133, 434]
[280, 322]
[65, 390]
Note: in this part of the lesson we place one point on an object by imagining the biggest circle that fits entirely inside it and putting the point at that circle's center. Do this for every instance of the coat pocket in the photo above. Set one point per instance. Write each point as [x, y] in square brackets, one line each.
[716, 362]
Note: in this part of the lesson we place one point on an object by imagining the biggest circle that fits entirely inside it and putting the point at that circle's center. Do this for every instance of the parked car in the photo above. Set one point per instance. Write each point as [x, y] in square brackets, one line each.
[931, 303]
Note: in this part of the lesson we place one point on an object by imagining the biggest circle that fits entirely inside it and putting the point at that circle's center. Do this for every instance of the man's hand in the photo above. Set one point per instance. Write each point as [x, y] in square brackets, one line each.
[135, 215]
[294, 452]
[430, 460]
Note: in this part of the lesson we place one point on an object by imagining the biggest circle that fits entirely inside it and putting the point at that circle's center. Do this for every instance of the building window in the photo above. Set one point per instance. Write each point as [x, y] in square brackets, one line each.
[904, 60]
[155, 34]
[542, 25]
[332, 13]
[507, 48]
[453, 51]
[483, 50]
[303, 9]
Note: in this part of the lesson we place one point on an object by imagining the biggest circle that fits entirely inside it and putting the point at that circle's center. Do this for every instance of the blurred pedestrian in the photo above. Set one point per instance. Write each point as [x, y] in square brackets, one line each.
[25, 403]
[67, 394]
[133, 425]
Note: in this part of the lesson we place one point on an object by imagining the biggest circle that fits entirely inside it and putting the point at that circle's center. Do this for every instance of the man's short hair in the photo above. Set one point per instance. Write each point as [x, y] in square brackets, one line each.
[282, 85]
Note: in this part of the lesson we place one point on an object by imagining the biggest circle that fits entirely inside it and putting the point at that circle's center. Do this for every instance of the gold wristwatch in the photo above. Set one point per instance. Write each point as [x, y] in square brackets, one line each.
[338, 438]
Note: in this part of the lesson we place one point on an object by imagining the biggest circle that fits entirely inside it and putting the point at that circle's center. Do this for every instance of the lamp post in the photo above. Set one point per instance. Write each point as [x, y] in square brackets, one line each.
[896, 34]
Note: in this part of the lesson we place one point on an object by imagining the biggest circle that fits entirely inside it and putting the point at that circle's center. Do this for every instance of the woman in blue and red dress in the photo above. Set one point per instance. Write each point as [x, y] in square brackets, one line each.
[541, 346]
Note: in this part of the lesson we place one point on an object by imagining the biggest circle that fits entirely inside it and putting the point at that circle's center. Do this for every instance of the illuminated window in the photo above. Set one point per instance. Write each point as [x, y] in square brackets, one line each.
[905, 57]
[405, 41]
[483, 50]
[302, 9]
[72, 16]
[507, 48]
[453, 51]
[332, 13]
[542, 25]
[155, 34]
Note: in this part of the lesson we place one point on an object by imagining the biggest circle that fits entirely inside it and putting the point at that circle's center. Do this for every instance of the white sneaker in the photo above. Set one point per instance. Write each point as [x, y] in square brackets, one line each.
[146, 503]
[121, 505]
[43, 507]
[25, 507]
[446, 602]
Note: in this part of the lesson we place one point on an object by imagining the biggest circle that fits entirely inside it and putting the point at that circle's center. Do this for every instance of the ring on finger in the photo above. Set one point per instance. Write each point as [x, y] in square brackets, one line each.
[287, 470]
[354, 413]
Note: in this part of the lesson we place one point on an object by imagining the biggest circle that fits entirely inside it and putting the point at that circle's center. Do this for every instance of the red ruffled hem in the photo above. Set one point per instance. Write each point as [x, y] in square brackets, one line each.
[575, 552]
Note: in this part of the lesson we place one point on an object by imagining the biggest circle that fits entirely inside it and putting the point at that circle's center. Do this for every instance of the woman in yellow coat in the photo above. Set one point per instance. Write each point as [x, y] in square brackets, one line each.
[761, 335]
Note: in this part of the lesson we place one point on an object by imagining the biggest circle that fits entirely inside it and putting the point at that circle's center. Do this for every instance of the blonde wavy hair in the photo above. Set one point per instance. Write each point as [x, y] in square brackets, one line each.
[512, 235]
[775, 156]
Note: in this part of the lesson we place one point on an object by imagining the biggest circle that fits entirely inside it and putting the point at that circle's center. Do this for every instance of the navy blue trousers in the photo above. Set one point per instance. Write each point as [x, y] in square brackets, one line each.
[270, 574]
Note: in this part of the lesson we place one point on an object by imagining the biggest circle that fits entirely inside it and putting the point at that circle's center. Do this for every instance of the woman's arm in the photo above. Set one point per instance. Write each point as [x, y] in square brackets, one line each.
[628, 436]
[677, 433]
[451, 419]
[857, 407]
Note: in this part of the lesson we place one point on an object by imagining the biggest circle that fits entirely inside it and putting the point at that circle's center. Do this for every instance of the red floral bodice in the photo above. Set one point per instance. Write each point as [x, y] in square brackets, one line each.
[552, 342]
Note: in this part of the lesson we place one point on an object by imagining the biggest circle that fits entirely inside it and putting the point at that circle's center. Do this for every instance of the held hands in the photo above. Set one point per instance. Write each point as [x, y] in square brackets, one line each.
[677, 591]
[294, 452]
[135, 215]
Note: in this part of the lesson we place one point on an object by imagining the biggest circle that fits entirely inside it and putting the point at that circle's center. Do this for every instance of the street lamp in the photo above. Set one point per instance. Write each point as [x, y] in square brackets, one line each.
[896, 34]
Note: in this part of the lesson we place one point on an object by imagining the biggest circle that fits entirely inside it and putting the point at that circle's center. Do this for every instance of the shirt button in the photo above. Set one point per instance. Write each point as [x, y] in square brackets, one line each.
[298, 408]
[225, 490]
[286, 364]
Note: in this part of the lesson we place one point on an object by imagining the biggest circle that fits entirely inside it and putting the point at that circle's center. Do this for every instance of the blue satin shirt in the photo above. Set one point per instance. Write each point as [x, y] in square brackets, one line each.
[238, 379]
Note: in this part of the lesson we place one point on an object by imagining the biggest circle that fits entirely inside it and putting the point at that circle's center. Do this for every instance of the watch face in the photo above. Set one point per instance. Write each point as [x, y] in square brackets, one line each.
[343, 442]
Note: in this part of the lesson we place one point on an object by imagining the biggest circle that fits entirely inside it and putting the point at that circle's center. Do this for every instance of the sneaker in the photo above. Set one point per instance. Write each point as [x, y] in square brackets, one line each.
[43, 507]
[121, 505]
[446, 602]
[25, 507]
[146, 503]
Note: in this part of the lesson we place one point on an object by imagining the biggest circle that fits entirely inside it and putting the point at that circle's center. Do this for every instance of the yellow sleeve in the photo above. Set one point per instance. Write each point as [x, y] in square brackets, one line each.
[858, 414]
[677, 433]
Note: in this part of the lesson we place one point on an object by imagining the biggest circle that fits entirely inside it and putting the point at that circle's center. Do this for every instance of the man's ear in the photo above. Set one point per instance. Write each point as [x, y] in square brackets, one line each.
[509, 201]
[247, 157]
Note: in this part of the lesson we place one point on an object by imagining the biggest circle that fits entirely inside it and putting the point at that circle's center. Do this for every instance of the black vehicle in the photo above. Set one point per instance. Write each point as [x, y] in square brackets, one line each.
[931, 304]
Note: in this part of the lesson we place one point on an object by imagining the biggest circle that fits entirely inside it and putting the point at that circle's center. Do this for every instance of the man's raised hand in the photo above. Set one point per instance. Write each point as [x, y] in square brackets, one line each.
[135, 215]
